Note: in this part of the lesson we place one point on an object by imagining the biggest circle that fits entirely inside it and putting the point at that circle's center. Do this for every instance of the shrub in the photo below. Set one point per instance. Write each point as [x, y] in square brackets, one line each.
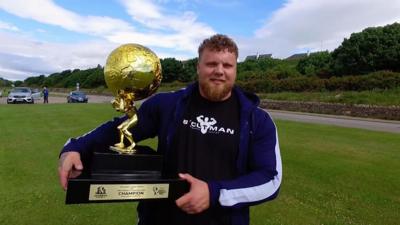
[376, 80]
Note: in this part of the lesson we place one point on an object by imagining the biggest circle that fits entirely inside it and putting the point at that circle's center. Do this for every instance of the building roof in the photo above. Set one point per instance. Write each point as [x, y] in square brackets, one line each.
[251, 57]
[258, 56]
[297, 56]
[264, 56]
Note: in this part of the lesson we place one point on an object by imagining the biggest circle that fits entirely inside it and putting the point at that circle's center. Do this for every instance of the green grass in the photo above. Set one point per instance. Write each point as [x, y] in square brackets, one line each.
[374, 97]
[332, 175]
[335, 175]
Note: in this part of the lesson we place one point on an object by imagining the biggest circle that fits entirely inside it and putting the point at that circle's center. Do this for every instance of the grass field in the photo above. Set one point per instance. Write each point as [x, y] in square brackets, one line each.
[332, 175]
[372, 97]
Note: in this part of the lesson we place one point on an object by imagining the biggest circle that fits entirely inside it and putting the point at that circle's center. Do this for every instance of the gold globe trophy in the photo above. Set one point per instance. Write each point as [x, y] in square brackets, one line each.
[129, 172]
[132, 73]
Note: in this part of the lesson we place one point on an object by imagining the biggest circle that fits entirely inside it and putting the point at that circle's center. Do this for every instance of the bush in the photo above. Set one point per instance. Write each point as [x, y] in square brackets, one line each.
[376, 80]
[318, 63]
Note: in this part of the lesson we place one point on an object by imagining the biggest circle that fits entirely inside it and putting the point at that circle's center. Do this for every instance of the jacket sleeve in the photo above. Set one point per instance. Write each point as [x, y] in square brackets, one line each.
[98, 138]
[262, 180]
[105, 135]
[148, 119]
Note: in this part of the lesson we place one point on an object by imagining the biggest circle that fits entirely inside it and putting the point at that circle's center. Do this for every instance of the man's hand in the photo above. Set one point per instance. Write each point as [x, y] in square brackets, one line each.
[197, 199]
[70, 166]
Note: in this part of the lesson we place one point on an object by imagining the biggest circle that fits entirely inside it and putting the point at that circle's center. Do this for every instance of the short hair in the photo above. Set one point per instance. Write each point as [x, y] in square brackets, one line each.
[219, 42]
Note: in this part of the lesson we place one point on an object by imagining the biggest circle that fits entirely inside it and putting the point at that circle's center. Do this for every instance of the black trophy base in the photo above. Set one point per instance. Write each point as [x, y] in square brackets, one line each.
[117, 177]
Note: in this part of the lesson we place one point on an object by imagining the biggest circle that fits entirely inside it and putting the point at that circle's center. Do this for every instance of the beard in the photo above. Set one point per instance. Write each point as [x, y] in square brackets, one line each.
[215, 93]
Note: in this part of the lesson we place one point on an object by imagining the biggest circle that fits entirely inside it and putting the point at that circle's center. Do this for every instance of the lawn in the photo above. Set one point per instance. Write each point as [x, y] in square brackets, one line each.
[373, 97]
[332, 175]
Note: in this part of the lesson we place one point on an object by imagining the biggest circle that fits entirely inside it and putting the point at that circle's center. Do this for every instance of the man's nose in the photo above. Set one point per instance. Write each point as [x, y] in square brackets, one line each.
[219, 69]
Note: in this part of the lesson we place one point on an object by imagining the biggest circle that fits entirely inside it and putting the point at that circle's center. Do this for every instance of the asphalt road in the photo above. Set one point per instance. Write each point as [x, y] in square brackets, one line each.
[343, 121]
[62, 98]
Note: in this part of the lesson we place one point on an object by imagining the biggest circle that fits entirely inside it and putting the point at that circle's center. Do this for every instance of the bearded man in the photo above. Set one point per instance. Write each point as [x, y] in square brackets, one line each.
[211, 134]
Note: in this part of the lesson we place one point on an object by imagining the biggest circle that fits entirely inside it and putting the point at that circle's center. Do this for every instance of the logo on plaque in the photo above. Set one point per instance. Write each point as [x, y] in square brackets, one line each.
[101, 190]
[100, 193]
[159, 191]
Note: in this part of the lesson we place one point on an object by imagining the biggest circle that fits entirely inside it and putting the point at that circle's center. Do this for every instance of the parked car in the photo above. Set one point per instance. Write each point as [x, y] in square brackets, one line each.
[20, 95]
[36, 94]
[77, 96]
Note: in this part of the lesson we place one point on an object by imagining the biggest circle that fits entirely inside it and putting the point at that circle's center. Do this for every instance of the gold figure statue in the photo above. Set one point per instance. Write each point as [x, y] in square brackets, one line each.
[124, 103]
[132, 72]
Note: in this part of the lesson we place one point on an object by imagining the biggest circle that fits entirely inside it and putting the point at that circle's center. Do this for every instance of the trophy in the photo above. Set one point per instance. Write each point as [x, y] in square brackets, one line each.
[126, 171]
[132, 73]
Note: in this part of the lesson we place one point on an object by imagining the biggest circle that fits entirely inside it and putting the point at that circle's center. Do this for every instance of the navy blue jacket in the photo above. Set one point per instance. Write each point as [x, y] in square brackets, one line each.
[258, 162]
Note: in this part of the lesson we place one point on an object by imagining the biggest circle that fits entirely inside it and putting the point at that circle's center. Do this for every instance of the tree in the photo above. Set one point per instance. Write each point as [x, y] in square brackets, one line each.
[171, 69]
[18, 83]
[95, 78]
[4, 82]
[190, 70]
[54, 80]
[316, 64]
[34, 81]
[375, 48]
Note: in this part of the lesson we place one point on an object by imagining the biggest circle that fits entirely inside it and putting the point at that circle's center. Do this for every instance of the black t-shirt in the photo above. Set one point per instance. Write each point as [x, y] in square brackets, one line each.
[206, 141]
[205, 145]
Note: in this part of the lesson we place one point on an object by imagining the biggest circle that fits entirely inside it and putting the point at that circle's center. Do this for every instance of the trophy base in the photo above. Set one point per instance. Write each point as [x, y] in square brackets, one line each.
[123, 150]
[89, 190]
[124, 177]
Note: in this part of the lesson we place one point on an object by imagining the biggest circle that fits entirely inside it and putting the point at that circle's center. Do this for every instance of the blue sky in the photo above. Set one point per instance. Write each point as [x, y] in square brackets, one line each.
[46, 36]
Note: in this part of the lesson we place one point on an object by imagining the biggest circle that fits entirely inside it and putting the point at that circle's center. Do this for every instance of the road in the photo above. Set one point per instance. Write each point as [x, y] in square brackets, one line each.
[343, 121]
[62, 98]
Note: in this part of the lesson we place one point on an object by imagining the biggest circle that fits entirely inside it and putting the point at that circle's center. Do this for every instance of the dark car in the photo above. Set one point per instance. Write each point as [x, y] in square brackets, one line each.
[77, 96]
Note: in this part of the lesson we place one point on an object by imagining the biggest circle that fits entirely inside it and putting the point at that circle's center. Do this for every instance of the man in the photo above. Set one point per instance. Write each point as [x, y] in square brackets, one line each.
[211, 134]
[45, 95]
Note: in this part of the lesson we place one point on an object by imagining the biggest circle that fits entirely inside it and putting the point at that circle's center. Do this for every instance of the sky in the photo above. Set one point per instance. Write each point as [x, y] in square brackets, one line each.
[47, 36]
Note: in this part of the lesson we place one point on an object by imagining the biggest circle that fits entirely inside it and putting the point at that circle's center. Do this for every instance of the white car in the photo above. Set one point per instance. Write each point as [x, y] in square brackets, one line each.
[20, 95]
[36, 94]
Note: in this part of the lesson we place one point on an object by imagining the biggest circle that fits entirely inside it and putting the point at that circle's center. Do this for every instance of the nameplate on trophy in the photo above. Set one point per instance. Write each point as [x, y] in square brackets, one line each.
[99, 192]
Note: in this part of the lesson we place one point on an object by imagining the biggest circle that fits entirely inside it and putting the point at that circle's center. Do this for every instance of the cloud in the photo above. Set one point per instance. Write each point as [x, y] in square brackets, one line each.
[298, 26]
[21, 57]
[181, 31]
[7, 26]
[168, 34]
[302, 25]
[161, 29]
[46, 11]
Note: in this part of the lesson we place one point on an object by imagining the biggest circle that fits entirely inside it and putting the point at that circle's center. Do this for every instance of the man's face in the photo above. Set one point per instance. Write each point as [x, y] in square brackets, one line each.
[217, 74]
